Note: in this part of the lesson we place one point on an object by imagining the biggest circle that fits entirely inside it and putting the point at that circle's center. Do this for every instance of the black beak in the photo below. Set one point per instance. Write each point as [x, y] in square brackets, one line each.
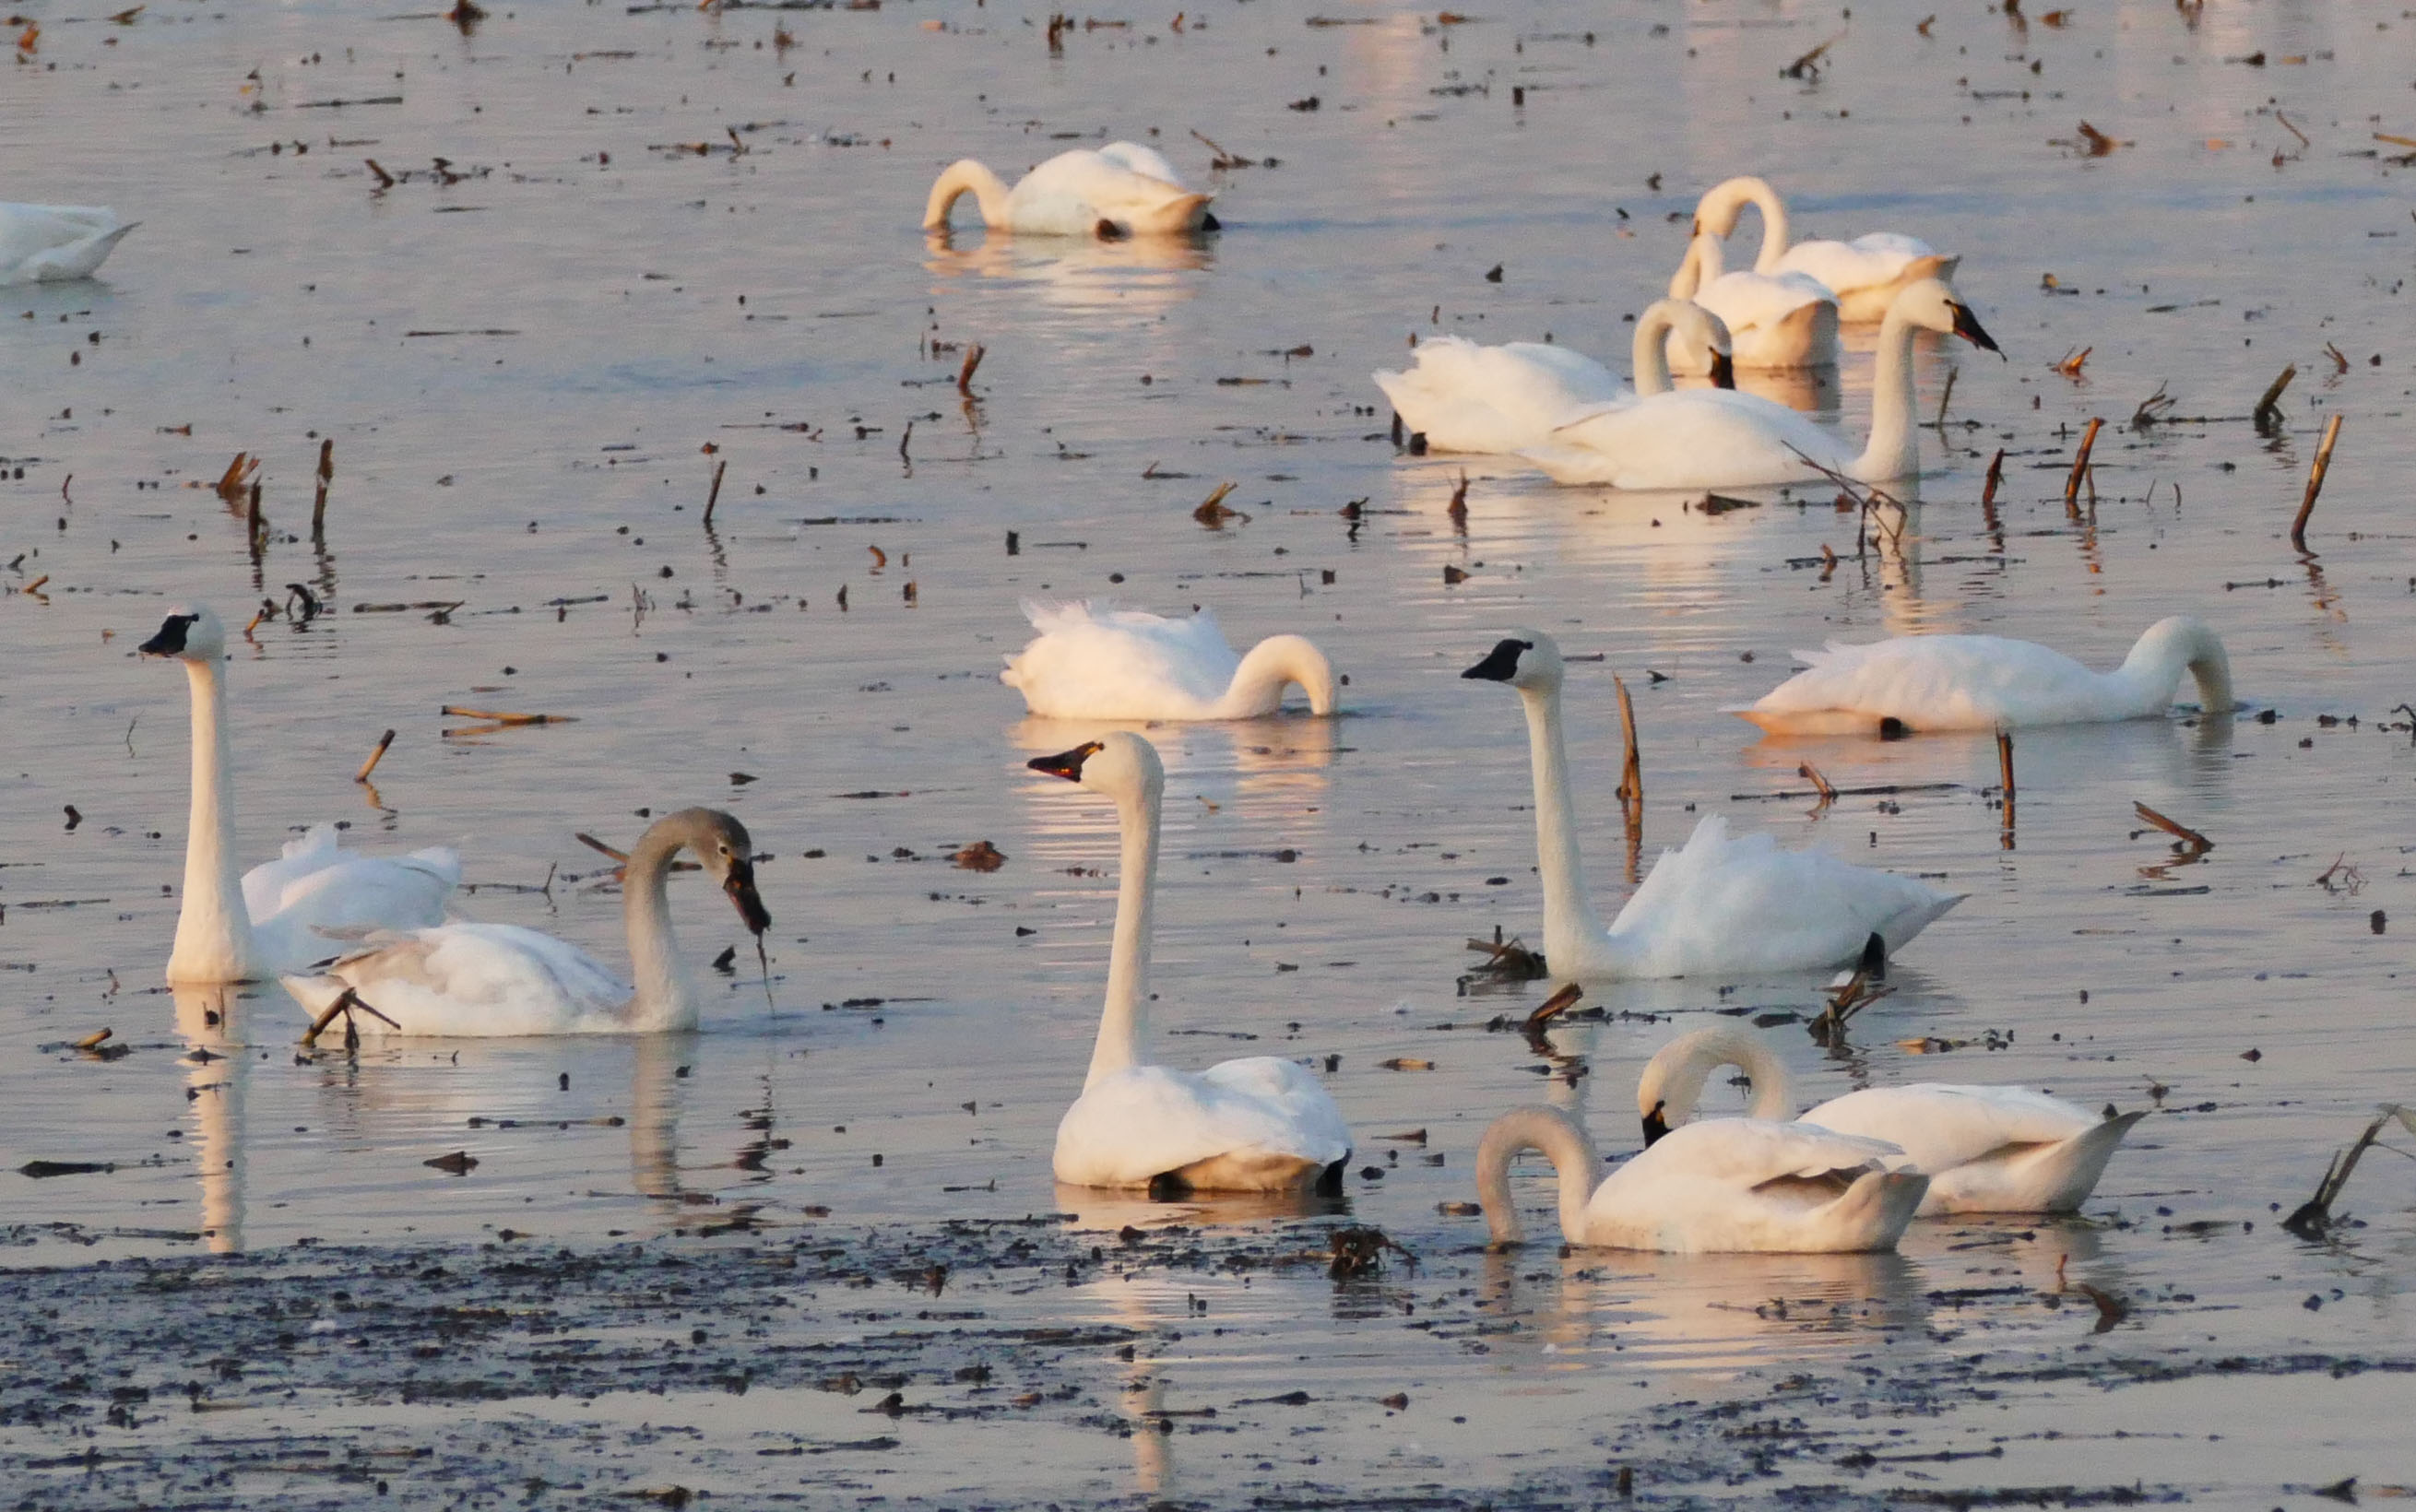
[1501, 663]
[1654, 1125]
[1066, 764]
[1109, 231]
[169, 641]
[1967, 326]
[1210, 223]
[740, 886]
[1723, 371]
[1874, 962]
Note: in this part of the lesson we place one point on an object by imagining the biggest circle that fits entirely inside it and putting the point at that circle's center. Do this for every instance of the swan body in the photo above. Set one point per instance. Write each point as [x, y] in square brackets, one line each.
[1122, 189]
[1863, 273]
[1720, 906]
[466, 980]
[278, 917]
[1464, 396]
[1985, 1149]
[1777, 320]
[1708, 438]
[1090, 663]
[52, 243]
[1259, 1124]
[1724, 1185]
[1914, 683]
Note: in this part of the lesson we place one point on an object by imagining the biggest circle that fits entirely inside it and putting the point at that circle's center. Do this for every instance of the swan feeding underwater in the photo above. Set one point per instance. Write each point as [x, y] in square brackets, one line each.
[1090, 663]
[1121, 189]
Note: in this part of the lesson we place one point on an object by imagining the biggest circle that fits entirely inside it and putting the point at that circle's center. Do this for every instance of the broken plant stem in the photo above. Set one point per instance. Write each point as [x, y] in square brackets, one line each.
[2315, 482]
[2080, 470]
[2175, 828]
[376, 756]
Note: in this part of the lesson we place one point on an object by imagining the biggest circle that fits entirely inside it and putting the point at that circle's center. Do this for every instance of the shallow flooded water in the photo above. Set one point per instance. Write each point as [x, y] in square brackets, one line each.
[627, 245]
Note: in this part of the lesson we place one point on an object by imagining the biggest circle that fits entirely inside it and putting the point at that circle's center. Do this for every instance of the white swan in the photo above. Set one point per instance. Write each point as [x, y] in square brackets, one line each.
[1091, 663]
[1985, 1149]
[1863, 273]
[51, 243]
[1912, 683]
[1701, 438]
[1719, 907]
[1775, 320]
[460, 980]
[267, 921]
[1464, 396]
[1722, 1185]
[1121, 189]
[1262, 1124]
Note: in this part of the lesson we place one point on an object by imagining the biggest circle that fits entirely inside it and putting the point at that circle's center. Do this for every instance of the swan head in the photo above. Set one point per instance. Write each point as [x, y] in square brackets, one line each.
[1119, 765]
[189, 633]
[721, 843]
[1525, 659]
[1716, 212]
[1933, 304]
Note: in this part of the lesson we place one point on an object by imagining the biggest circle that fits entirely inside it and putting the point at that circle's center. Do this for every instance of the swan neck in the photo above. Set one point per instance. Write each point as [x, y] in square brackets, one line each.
[1691, 276]
[666, 996]
[214, 939]
[1273, 665]
[1674, 1080]
[1893, 451]
[1563, 1142]
[1774, 229]
[967, 176]
[1123, 1022]
[2171, 647]
[1649, 358]
[1572, 931]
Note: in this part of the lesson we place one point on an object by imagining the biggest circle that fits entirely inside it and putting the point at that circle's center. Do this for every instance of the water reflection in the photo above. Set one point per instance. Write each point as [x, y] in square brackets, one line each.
[1102, 1209]
[1143, 275]
[217, 1071]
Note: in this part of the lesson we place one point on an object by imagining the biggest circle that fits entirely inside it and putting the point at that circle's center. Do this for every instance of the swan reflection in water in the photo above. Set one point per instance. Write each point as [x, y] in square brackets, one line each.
[217, 1070]
[1141, 275]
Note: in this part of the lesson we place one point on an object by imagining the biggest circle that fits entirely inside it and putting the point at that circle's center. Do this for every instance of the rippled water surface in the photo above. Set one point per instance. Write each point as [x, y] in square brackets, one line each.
[658, 241]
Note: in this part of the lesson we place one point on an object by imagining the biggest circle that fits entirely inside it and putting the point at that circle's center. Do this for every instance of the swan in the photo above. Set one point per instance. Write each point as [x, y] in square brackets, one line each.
[1912, 683]
[1776, 320]
[52, 243]
[1985, 1149]
[1121, 189]
[460, 980]
[1722, 1185]
[1705, 438]
[1863, 273]
[1464, 396]
[1719, 906]
[1259, 1125]
[1091, 663]
[267, 921]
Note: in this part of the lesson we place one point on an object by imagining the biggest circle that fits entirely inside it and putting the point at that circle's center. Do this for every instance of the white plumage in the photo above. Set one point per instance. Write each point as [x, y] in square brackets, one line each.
[1914, 683]
[51, 243]
[303, 903]
[1864, 275]
[1775, 320]
[1121, 189]
[1097, 663]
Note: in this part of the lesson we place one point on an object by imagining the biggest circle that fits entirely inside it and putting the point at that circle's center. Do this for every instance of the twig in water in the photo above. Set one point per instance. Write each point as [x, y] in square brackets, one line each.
[2315, 482]
[2006, 769]
[326, 475]
[1213, 511]
[712, 494]
[2287, 125]
[345, 1006]
[2181, 832]
[376, 756]
[973, 355]
[1808, 65]
[1541, 1020]
[2080, 470]
[1996, 476]
[1820, 784]
[2268, 411]
[1631, 770]
[255, 525]
[1508, 961]
[903, 442]
[505, 718]
[1942, 399]
[1457, 508]
[2070, 365]
[1867, 985]
[2341, 877]
[2151, 409]
[1223, 158]
[2313, 1218]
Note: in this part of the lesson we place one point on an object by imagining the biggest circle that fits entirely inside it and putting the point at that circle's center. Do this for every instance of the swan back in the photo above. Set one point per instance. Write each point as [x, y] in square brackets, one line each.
[1987, 1149]
[1262, 1124]
[1464, 397]
[1102, 664]
[1075, 192]
[47, 243]
[1754, 1184]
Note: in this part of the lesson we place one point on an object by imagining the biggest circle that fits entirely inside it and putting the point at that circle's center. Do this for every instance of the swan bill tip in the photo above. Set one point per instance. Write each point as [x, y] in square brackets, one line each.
[1968, 326]
[1723, 371]
[1501, 664]
[740, 886]
[1066, 764]
[1655, 1124]
[169, 641]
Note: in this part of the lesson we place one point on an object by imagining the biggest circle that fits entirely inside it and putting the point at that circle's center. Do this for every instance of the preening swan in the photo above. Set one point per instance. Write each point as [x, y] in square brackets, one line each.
[51, 243]
[1776, 320]
[1914, 683]
[1121, 189]
[1722, 1185]
[460, 980]
[1985, 1149]
[265, 922]
[1257, 1124]
[1863, 273]
[1464, 396]
[1719, 907]
[1703, 438]
[1091, 663]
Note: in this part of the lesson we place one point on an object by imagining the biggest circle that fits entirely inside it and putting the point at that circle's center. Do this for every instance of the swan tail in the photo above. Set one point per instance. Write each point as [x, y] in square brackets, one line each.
[1875, 1211]
[2069, 1172]
[1179, 214]
[1901, 929]
[441, 863]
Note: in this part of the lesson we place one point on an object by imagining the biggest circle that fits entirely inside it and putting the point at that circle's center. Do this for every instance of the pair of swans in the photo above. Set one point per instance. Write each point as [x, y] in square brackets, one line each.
[1848, 1175]
[1864, 275]
[53, 243]
[1119, 190]
[1090, 663]
[1464, 397]
[422, 974]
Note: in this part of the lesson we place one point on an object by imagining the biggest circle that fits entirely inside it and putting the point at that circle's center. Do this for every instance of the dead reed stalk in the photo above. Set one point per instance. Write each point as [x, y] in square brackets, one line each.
[2005, 772]
[1631, 771]
[2315, 482]
[2080, 470]
[326, 475]
[376, 756]
[712, 494]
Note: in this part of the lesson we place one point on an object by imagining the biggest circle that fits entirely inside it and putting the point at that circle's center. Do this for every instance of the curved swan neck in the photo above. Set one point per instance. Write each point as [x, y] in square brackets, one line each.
[666, 997]
[1123, 1022]
[1649, 358]
[1274, 664]
[214, 940]
[1674, 1080]
[966, 176]
[1774, 229]
[2173, 646]
[1571, 929]
[1894, 450]
[1699, 267]
[1563, 1142]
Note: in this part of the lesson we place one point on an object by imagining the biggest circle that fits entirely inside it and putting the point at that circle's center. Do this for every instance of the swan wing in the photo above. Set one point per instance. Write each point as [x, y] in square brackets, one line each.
[1121, 664]
[1941, 1127]
[1694, 438]
[1147, 161]
[1738, 1154]
[1942, 681]
[318, 890]
[55, 241]
[1143, 1122]
[1747, 301]
[1866, 262]
[481, 979]
[1072, 192]
[1464, 397]
[1749, 1184]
